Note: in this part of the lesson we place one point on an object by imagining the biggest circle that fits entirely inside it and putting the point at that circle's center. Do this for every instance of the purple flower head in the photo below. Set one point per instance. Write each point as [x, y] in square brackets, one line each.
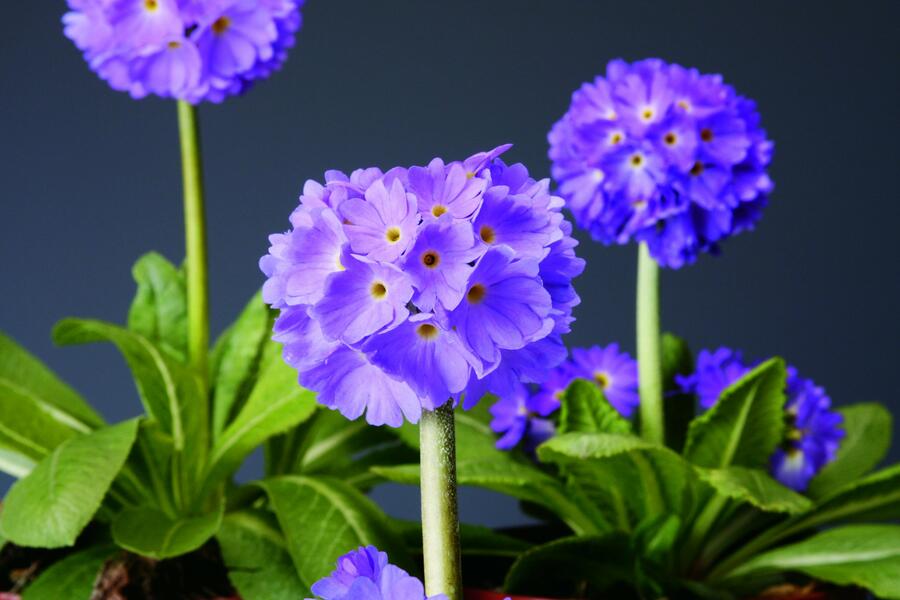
[365, 574]
[714, 372]
[813, 435]
[186, 49]
[522, 417]
[393, 298]
[615, 372]
[661, 154]
[813, 431]
[521, 414]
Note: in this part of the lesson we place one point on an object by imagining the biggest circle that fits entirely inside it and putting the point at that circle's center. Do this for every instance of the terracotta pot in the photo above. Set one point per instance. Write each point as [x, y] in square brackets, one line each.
[472, 594]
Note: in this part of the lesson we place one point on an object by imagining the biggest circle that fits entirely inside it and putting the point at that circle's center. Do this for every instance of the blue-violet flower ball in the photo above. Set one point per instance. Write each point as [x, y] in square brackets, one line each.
[813, 430]
[191, 50]
[401, 290]
[657, 153]
[522, 416]
[365, 574]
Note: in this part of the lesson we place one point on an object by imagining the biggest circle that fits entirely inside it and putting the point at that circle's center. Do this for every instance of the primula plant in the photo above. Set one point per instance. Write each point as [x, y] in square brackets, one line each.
[714, 477]
[410, 328]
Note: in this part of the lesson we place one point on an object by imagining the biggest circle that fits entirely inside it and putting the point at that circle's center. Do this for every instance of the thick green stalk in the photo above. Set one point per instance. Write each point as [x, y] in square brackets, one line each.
[649, 351]
[195, 238]
[440, 522]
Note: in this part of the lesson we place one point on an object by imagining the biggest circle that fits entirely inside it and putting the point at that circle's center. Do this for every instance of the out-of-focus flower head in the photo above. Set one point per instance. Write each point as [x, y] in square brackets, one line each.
[365, 574]
[523, 414]
[191, 50]
[813, 431]
[401, 290]
[661, 154]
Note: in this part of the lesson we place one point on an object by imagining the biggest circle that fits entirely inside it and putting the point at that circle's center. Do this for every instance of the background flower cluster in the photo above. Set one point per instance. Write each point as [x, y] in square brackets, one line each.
[400, 290]
[658, 153]
[523, 415]
[191, 50]
[813, 431]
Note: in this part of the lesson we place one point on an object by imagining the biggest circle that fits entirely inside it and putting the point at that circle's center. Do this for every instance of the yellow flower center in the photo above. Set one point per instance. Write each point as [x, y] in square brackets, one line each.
[378, 290]
[602, 379]
[174, 45]
[647, 113]
[393, 235]
[151, 5]
[616, 138]
[697, 168]
[706, 134]
[684, 105]
[427, 331]
[670, 139]
[476, 293]
[438, 209]
[431, 259]
[221, 25]
[488, 235]
[637, 160]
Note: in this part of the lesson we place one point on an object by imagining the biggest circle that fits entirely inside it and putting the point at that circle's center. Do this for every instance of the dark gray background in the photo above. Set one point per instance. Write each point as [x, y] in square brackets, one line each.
[90, 179]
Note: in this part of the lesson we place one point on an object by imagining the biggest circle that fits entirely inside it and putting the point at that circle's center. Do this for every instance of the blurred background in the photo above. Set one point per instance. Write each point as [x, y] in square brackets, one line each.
[90, 179]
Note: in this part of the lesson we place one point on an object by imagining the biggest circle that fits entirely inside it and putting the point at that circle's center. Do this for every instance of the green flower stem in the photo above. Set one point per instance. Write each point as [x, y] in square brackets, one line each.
[440, 522]
[649, 352]
[195, 238]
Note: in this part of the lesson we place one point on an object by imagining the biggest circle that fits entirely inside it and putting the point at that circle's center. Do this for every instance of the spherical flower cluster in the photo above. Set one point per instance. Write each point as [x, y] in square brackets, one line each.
[365, 574]
[522, 416]
[813, 433]
[191, 50]
[400, 290]
[661, 154]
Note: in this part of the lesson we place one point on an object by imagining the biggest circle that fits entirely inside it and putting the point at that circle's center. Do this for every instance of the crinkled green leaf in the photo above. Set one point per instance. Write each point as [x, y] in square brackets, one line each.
[629, 479]
[51, 506]
[565, 567]
[159, 309]
[866, 441]
[276, 403]
[585, 409]
[72, 577]
[255, 553]
[862, 555]
[148, 531]
[755, 487]
[237, 361]
[324, 518]
[745, 425]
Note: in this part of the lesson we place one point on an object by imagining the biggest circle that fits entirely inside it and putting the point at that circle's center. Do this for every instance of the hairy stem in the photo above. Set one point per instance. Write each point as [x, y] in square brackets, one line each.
[649, 350]
[440, 522]
[195, 238]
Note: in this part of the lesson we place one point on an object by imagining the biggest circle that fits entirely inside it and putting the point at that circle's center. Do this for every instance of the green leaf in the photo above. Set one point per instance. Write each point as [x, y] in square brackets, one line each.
[746, 424]
[73, 577]
[256, 556]
[51, 506]
[238, 359]
[276, 404]
[626, 477]
[585, 409]
[324, 518]
[170, 391]
[862, 555]
[21, 371]
[159, 309]
[474, 540]
[867, 439]
[565, 566]
[680, 407]
[167, 389]
[755, 487]
[150, 532]
[38, 412]
[875, 497]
